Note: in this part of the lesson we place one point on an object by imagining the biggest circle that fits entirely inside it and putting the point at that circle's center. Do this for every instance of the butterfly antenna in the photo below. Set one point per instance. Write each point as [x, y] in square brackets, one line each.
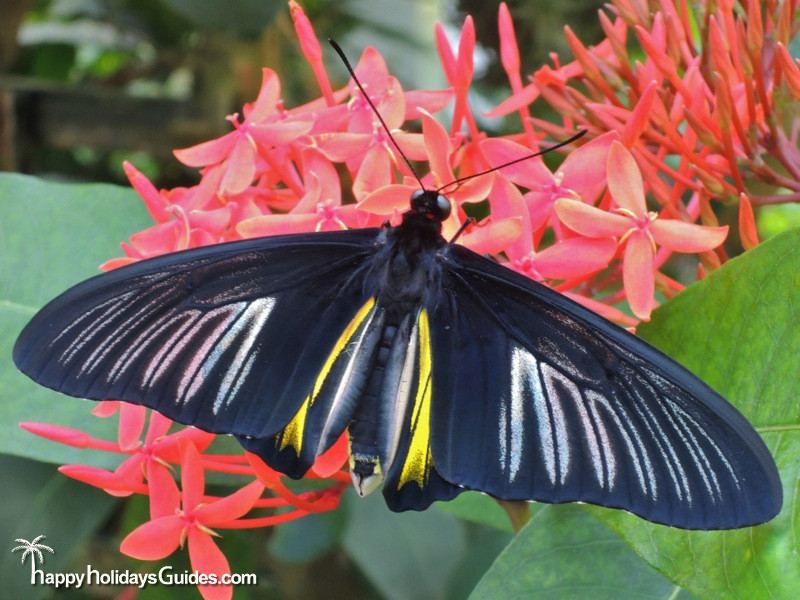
[350, 70]
[458, 182]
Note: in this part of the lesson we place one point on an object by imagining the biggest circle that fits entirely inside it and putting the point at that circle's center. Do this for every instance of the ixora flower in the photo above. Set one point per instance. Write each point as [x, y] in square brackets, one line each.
[641, 232]
[581, 227]
[190, 517]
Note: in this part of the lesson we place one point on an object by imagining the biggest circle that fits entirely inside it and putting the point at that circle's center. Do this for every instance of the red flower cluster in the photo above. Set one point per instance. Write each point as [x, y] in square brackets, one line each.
[693, 120]
[707, 114]
[178, 516]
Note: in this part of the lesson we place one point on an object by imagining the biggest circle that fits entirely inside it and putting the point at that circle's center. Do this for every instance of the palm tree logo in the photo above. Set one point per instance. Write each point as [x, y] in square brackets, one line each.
[34, 549]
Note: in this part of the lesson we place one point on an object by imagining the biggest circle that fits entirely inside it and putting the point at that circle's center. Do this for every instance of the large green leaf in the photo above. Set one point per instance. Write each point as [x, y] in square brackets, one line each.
[478, 508]
[404, 555]
[52, 235]
[565, 553]
[38, 500]
[739, 330]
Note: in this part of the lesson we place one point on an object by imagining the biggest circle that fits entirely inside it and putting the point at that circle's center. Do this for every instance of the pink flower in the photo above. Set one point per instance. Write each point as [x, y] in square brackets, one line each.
[639, 230]
[582, 175]
[192, 519]
[241, 151]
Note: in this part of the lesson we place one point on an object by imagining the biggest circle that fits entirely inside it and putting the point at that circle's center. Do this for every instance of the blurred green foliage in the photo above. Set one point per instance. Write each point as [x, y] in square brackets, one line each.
[208, 54]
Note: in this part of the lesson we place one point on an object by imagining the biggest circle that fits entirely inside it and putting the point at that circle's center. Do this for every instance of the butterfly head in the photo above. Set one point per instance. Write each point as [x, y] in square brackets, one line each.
[431, 205]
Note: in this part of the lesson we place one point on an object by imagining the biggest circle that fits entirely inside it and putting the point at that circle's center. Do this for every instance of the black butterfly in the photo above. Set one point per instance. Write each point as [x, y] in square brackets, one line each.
[447, 370]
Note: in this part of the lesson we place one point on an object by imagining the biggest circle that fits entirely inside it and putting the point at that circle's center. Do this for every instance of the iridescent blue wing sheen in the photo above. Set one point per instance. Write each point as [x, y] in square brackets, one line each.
[537, 398]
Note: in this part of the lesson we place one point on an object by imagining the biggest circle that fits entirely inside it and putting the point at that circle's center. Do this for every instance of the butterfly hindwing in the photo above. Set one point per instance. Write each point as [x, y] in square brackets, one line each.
[412, 481]
[228, 338]
[330, 403]
[537, 398]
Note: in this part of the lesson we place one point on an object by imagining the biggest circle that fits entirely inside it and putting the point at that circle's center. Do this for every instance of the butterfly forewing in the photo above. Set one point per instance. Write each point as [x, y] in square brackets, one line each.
[228, 338]
[561, 406]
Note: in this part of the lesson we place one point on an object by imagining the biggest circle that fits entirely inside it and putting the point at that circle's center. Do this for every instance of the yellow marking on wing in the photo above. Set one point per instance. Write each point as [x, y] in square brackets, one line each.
[418, 462]
[293, 432]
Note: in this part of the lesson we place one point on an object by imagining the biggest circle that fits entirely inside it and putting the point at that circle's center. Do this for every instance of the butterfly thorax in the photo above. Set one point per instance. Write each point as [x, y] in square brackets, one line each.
[408, 273]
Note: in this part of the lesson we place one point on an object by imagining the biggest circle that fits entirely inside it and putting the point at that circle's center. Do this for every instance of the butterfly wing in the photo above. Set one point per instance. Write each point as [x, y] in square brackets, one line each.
[228, 338]
[537, 398]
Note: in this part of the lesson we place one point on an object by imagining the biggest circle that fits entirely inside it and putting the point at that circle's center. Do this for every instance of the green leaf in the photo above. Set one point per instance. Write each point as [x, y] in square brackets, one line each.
[307, 539]
[38, 500]
[404, 555]
[53, 235]
[478, 508]
[739, 330]
[484, 544]
[565, 553]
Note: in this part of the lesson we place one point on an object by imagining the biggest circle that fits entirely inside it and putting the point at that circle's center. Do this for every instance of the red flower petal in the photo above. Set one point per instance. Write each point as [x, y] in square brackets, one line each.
[509, 52]
[640, 116]
[438, 148]
[164, 493]
[131, 424]
[268, 97]
[388, 199]
[430, 100]
[105, 408]
[153, 200]
[637, 274]
[106, 480]
[515, 101]
[207, 558]
[686, 237]
[506, 201]
[277, 225]
[625, 180]
[281, 132]
[343, 146]
[240, 168]
[192, 476]
[531, 174]
[584, 169]
[575, 257]
[230, 507]
[747, 223]
[590, 221]
[159, 426]
[154, 540]
[208, 153]
[494, 237]
[58, 433]
[374, 172]
[331, 461]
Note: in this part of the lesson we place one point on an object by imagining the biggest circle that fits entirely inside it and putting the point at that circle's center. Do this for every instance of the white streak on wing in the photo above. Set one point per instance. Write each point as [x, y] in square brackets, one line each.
[550, 375]
[199, 355]
[162, 361]
[147, 337]
[254, 318]
[243, 375]
[591, 436]
[89, 330]
[636, 449]
[695, 452]
[88, 314]
[605, 441]
[502, 428]
[131, 321]
[525, 377]
[402, 397]
[689, 422]
[352, 352]
[659, 436]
